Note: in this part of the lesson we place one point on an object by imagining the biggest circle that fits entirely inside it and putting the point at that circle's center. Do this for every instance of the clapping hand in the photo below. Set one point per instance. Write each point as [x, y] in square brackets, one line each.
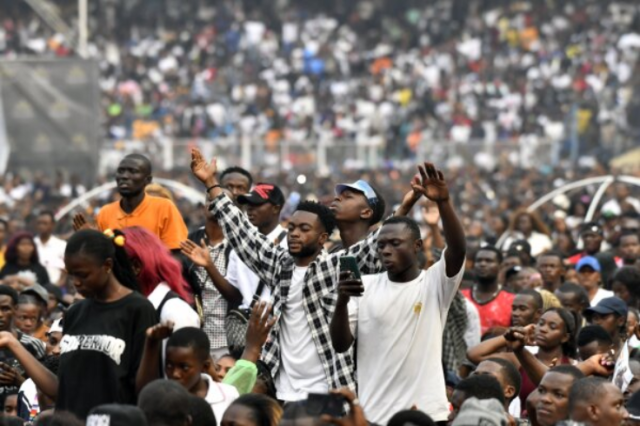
[80, 222]
[198, 254]
[431, 184]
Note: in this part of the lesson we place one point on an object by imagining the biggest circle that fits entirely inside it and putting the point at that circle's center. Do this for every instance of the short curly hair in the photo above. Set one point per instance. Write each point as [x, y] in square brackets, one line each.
[326, 217]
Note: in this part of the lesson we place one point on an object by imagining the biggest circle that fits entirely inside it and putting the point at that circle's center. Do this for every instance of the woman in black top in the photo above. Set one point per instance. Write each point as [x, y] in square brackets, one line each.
[104, 334]
[22, 268]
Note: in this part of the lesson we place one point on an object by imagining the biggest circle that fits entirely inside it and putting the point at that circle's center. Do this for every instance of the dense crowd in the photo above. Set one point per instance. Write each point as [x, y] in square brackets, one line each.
[278, 309]
[398, 295]
[388, 73]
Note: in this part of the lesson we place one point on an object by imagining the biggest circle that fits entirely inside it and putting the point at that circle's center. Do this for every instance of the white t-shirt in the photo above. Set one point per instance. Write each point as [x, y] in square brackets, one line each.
[175, 310]
[301, 370]
[601, 294]
[244, 279]
[473, 333]
[399, 330]
[51, 255]
[219, 396]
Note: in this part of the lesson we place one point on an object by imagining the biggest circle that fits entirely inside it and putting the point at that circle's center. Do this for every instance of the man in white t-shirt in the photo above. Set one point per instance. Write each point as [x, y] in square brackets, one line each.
[50, 248]
[399, 319]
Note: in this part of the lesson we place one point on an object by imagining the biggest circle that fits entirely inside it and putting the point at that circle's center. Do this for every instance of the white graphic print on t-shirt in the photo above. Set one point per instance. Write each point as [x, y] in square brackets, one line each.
[108, 345]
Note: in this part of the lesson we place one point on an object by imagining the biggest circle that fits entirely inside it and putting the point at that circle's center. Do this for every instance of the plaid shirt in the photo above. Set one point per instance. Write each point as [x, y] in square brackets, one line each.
[214, 305]
[275, 266]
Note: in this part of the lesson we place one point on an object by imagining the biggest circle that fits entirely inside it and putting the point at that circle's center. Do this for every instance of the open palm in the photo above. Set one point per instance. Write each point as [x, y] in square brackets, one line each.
[200, 168]
[431, 183]
[198, 254]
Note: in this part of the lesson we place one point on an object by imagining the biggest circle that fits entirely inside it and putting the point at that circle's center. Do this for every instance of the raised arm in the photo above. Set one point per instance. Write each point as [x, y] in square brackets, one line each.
[244, 374]
[253, 248]
[199, 255]
[433, 186]
[150, 367]
[41, 376]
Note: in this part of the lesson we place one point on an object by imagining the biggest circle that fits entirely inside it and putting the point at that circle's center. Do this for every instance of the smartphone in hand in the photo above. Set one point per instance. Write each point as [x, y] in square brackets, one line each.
[349, 264]
[331, 404]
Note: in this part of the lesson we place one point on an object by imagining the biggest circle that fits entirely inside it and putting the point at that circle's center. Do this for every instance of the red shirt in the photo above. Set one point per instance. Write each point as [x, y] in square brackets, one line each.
[496, 313]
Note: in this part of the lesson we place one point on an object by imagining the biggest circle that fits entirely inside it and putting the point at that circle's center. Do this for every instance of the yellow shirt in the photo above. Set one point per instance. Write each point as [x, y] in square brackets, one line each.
[157, 215]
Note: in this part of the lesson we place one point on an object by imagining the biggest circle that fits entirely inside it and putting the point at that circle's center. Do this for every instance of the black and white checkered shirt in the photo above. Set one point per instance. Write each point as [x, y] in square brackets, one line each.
[275, 266]
[214, 305]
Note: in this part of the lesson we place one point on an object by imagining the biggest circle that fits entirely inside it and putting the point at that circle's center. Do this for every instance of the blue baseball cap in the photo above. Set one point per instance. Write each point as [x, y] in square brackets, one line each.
[608, 305]
[359, 186]
[588, 261]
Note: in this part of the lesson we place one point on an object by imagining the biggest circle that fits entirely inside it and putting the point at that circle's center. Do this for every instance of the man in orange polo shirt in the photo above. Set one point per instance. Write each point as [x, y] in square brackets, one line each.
[158, 215]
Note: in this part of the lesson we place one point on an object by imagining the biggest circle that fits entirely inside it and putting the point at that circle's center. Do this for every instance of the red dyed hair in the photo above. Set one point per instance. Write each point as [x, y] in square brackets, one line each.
[157, 265]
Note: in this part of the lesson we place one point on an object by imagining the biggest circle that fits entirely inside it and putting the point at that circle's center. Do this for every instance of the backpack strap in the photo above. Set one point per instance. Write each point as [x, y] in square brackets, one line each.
[170, 295]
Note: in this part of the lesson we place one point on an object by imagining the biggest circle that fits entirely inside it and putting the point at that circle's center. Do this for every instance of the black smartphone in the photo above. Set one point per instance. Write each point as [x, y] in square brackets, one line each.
[349, 263]
[327, 403]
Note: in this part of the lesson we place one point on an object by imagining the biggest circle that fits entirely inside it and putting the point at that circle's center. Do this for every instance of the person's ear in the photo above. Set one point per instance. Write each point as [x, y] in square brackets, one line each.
[418, 245]
[207, 364]
[593, 412]
[622, 321]
[538, 314]
[366, 214]
[322, 239]
[136, 266]
[108, 265]
[636, 331]
[509, 392]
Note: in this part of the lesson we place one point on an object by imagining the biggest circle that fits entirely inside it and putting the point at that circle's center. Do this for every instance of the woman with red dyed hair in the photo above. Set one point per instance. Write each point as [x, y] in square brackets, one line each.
[22, 268]
[160, 277]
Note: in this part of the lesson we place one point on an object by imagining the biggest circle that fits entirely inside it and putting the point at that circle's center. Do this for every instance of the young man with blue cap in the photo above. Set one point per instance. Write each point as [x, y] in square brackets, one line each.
[588, 269]
[357, 206]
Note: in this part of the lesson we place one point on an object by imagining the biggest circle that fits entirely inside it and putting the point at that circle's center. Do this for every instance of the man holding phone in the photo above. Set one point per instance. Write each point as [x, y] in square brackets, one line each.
[302, 280]
[398, 317]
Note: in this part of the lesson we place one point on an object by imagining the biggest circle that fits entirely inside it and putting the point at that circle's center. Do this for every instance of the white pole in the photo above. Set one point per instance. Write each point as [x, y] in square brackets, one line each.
[83, 30]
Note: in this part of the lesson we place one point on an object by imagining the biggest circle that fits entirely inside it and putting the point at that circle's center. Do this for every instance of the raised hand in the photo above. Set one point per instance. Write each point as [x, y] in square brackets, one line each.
[204, 171]
[430, 215]
[159, 332]
[198, 254]
[348, 287]
[80, 222]
[260, 324]
[431, 184]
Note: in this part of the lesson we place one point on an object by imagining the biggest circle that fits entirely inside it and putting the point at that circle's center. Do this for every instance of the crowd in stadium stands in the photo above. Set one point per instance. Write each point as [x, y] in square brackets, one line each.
[417, 296]
[394, 73]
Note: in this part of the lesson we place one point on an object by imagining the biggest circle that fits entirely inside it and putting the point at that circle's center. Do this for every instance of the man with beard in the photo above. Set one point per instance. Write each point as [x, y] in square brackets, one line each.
[299, 352]
[493, 303]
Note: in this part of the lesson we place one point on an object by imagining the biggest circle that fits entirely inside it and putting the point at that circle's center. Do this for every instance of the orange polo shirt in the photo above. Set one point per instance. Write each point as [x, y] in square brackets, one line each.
[157, 215]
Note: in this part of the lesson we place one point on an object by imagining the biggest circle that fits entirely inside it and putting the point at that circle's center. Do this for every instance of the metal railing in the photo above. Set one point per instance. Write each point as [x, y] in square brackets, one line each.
[325, 156]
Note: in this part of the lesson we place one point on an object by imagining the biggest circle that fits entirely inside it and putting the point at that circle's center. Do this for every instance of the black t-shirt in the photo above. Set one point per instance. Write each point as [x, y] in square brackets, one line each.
[36, 269]
[100, 352]
[35, 348]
